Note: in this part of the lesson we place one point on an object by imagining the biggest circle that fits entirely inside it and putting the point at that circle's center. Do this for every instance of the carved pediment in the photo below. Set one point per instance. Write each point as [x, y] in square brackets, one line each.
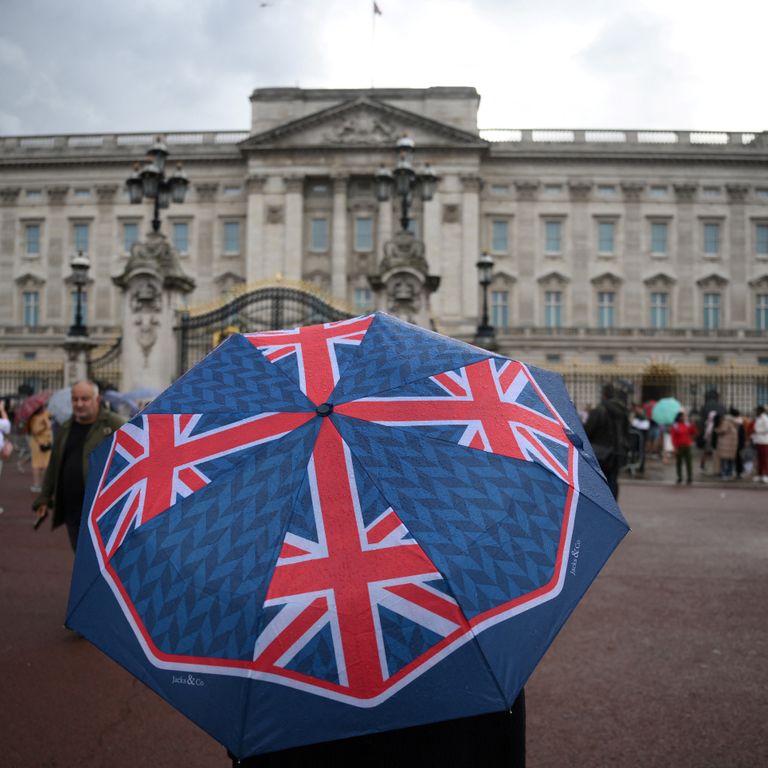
[607, 280]
[227, 281]
[712, 280]
[30, 280]
[363, 122]
[503, 279]
[660, 279]
[761, 282]
[554, 278]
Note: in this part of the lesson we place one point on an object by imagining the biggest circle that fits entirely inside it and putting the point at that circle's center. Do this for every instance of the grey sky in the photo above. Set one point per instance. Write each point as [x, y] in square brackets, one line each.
[191, 64]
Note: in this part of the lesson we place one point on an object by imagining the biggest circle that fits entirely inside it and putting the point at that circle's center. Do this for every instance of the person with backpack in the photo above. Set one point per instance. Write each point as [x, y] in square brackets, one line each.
[607, 428]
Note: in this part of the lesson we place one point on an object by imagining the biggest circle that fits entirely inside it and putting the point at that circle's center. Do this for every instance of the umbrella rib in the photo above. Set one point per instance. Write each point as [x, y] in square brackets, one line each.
[445, 579]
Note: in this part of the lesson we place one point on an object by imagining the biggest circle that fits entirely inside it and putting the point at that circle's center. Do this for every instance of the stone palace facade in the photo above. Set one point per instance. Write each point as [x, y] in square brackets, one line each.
[610, 246]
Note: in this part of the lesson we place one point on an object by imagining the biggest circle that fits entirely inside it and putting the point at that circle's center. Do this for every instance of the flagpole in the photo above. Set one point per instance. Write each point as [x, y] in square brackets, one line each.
[373, 43]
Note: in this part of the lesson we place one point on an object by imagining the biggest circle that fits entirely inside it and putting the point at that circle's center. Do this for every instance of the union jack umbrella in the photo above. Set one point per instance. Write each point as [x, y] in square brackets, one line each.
[340, 529]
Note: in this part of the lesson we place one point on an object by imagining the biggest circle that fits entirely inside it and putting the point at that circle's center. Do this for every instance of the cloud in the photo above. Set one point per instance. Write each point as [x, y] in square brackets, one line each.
[191, 64]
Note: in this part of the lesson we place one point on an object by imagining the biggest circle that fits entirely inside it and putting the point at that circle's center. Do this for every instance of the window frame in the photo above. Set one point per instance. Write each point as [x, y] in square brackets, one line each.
[601, 222]
[500, 308]
[30, 308]
[227, 225]
[553, 310]
[552, 221]
[712, 315]
[371, 244]
[501, 223]
[81, 226]
[606, 309]
[325, 246]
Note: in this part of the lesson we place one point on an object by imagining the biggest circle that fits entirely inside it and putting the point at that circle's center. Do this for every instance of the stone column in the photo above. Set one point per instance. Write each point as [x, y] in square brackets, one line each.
[578, 302]
[470, 245]
[255, 266]
[103, 296]
[686, 257]
[631, 265]
[294, 227]
[339, 239]
[58, 254]
[525, 248]
[739, 237]
[208, 239]
[8, 197]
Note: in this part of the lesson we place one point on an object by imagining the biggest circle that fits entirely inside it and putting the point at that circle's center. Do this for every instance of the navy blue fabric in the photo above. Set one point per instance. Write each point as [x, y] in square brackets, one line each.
[394, 353]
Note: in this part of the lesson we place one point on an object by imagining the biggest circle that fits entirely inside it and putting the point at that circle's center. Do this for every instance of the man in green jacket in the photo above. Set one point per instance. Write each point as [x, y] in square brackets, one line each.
[67, 474]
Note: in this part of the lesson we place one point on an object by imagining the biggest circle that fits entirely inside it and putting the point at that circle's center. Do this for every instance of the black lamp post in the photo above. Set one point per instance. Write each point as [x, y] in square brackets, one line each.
[80, 266]
[486, 333]
[150, 181]
[405, 181]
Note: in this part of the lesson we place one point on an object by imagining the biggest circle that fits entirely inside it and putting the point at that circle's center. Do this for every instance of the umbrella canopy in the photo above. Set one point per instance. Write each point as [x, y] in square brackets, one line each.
[121, 402]
[334, 530]
[143, 394]
[60, 405]
[665, 411]
[31, 404]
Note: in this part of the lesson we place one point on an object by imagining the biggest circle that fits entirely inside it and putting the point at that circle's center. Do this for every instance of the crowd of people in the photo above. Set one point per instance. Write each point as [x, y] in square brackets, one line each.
[731, 445]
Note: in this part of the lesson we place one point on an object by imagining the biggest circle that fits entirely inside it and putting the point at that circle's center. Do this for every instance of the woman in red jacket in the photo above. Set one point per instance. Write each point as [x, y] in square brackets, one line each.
[682, 433]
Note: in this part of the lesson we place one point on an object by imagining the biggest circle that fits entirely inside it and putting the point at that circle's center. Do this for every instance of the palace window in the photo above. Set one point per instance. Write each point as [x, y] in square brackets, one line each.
[553, 305]
[659, 233]
[659, 309]
[81, 234]
[499, 236]
[606, 305]
[181, 236]
[500, 309]
[761, 312]
[318, 235]
[31, 308]
[364, 233]
[712, 238]
[363, 299]
[761, 240]
[606, 237]
[32, 239]
[232, 237]
[711, 311]
[553, 237]
[130, 234]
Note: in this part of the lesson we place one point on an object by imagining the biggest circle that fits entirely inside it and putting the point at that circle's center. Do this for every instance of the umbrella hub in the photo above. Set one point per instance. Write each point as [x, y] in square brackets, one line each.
[325, 409]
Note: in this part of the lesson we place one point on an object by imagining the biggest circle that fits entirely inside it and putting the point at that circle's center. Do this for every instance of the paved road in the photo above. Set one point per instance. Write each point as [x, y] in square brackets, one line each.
[665, 662]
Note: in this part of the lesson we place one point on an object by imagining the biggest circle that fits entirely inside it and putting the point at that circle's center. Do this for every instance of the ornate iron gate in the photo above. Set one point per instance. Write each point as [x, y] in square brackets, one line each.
[262, 309]
[105, 365]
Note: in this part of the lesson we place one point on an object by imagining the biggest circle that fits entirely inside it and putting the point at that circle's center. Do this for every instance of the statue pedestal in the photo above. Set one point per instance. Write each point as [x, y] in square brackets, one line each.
[403, 284]
[77, 349]
[152, 284]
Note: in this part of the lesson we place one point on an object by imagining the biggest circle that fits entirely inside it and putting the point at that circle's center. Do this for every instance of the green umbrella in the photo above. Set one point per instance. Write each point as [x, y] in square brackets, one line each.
[665, 411]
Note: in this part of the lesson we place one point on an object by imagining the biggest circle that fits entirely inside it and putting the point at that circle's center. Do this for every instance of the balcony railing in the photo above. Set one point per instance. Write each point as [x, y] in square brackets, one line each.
[614, 137]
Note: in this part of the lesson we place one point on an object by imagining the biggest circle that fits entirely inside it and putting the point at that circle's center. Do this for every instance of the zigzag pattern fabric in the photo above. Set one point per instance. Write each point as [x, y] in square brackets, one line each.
[359, 519]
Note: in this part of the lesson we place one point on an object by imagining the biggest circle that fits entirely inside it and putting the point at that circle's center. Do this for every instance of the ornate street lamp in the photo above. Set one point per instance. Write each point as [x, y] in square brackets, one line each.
[150, 181]
[405, 181]
[80, 266]
[486, 333]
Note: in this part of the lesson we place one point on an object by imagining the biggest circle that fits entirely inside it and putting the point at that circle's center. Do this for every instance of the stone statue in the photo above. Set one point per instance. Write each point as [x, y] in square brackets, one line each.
[402, 282]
